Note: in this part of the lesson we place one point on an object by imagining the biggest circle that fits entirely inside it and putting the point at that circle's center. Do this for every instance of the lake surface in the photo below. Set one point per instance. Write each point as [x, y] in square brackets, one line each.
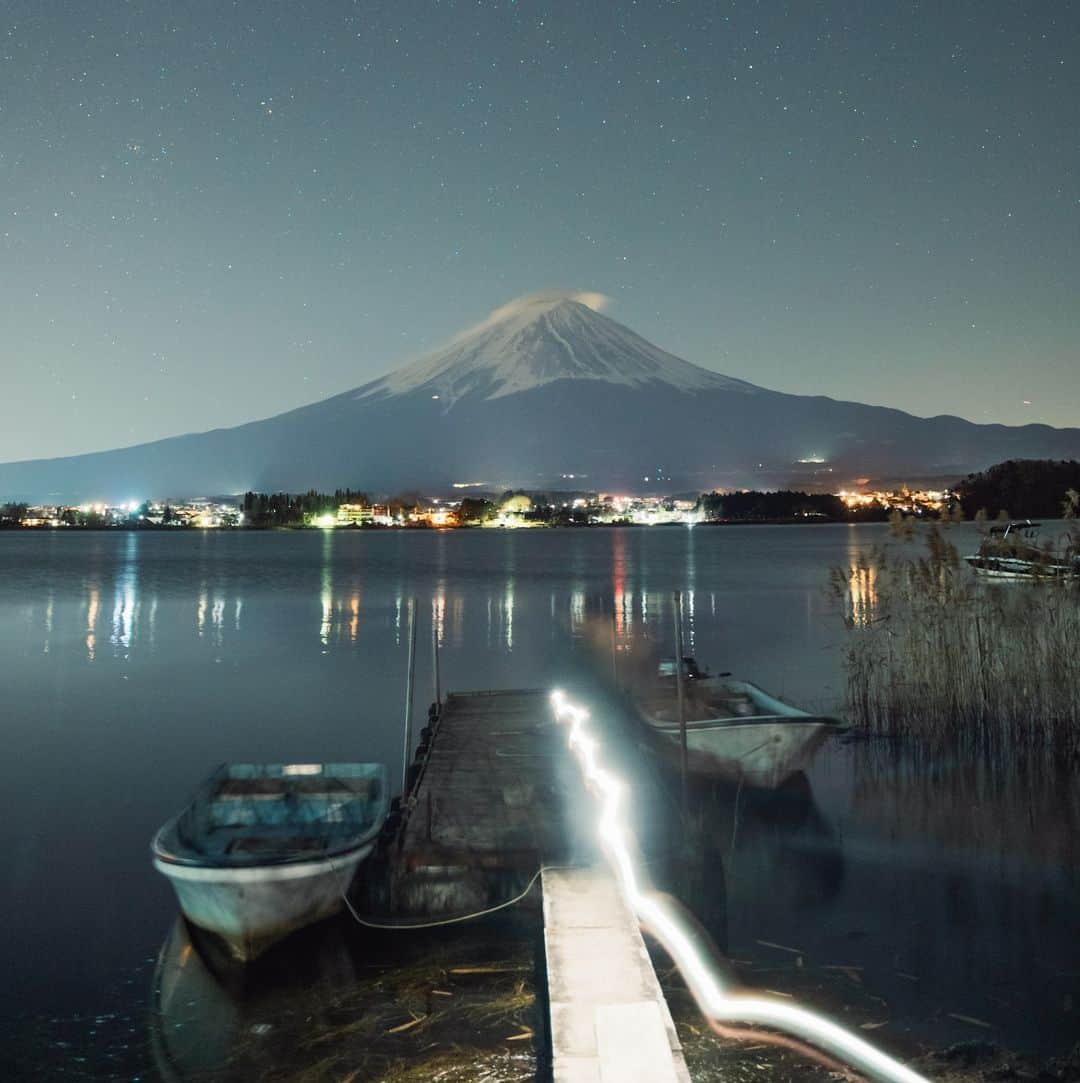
[943, 891]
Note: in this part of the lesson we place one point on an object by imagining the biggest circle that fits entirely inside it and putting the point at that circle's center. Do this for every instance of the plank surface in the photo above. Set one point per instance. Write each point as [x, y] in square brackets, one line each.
[609, 1019]
[490, 805]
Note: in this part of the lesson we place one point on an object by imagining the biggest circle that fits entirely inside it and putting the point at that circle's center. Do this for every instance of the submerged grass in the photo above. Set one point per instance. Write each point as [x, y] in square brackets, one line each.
[934, 653]
[445, 1011]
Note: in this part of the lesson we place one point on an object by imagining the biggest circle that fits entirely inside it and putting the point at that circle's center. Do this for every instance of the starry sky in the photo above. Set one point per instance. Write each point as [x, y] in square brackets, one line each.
[211, 212]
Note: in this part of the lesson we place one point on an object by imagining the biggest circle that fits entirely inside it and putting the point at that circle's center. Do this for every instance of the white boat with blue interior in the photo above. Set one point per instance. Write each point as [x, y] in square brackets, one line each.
[266, 849]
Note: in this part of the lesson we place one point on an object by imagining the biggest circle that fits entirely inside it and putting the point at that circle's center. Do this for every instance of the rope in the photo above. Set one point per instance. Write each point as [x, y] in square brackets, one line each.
[457, 920]
[735, 820]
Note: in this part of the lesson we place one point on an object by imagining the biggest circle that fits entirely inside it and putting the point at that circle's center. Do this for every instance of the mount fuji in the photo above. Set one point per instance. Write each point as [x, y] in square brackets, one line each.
[546, 388]
[540, 339]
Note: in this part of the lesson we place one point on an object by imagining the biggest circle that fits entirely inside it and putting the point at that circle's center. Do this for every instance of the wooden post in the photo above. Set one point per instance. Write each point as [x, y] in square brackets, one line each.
[407, 752]
[435, 660]
[614, 647]
[677, 616]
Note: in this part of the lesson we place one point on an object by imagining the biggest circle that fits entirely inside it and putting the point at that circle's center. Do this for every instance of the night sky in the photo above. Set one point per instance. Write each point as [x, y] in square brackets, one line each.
[212, 212]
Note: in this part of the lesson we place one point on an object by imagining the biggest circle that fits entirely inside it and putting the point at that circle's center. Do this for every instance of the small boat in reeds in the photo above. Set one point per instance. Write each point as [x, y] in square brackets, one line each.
[1013, 551]
[734, 729]
[266, 849]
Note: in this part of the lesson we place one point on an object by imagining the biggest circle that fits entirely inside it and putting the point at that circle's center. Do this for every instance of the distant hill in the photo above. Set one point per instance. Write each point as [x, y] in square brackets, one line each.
[545, 389]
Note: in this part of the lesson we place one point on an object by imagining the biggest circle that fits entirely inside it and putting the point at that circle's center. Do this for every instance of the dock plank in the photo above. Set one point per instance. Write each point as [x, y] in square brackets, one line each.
[609, 1019]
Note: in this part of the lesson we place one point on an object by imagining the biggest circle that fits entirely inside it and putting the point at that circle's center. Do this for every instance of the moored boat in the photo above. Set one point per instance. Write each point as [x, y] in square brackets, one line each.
[1013, 551]
[266, 849]
[734, 729]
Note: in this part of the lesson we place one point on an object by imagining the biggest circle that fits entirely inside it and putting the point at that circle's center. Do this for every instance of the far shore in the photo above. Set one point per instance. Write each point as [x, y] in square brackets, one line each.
[152, 528]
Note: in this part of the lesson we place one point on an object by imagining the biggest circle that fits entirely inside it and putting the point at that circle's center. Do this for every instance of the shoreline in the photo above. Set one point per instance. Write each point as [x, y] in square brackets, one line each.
[424, 528]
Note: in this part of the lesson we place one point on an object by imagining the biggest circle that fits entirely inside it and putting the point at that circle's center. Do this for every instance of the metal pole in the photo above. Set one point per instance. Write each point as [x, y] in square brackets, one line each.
[677, 616]
[435, 659]
[407, 753]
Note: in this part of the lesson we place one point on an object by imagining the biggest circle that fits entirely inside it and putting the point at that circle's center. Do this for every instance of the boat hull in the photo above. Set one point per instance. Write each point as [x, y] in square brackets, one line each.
[253, 907]
[757, 753]
[1015, 569]
[744, 735]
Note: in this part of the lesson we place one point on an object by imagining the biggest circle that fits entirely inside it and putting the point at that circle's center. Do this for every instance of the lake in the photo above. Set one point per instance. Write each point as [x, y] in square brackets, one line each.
[941, 891]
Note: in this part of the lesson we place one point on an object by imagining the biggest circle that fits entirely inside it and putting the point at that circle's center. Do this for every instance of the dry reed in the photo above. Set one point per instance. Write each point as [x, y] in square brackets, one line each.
[934, 653]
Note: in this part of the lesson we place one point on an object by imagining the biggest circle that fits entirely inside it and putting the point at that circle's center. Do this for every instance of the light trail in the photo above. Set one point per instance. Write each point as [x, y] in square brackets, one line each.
[662, 920]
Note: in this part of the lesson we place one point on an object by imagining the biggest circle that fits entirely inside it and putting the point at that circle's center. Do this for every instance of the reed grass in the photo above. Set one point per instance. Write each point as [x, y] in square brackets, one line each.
[933, 653]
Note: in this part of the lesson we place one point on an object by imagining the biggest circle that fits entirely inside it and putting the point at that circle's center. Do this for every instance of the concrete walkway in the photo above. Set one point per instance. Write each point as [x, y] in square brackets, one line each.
[609, 1020]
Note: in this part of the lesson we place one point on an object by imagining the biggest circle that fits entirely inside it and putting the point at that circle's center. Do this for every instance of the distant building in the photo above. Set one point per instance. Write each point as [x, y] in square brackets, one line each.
[443, 517]
[41, 517]
[517, 505]
[355, 514]
[435, 517]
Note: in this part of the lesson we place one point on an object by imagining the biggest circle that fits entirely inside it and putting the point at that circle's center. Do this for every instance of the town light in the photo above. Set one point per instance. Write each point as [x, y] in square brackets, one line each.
[670, 927]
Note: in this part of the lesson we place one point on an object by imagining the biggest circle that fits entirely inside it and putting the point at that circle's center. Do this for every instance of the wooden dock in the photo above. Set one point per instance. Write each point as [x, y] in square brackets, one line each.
[495, 795]
[489, 803]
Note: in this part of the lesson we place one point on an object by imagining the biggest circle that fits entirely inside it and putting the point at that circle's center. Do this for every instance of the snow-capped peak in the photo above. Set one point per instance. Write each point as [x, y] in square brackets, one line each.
[538, 339]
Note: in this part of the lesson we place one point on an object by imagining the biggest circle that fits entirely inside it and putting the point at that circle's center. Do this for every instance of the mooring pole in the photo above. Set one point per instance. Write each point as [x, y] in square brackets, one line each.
[614, 646]
[407, 752]
[435, 659]
[676, 610]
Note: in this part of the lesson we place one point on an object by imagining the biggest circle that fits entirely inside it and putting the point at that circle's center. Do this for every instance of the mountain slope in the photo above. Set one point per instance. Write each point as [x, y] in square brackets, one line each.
[546, 386]
[539, 339]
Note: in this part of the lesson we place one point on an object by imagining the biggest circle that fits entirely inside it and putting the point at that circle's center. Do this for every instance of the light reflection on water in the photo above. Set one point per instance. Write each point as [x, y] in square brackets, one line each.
[132, 664]
[862, 593]
[861, 581]
[93, 602]
[219, 607]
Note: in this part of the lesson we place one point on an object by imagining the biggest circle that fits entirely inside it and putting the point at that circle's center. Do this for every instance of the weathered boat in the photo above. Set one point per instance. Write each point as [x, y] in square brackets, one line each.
[1013, 551]
[734, 729]
[266, 849]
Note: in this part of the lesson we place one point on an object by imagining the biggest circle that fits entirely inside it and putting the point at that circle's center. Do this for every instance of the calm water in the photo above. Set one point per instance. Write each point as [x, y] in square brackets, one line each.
[130, 664]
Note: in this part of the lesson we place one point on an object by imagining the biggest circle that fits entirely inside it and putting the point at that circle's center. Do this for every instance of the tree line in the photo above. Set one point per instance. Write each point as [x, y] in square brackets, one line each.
[1023, 489]
[288, 509]
[759, 507]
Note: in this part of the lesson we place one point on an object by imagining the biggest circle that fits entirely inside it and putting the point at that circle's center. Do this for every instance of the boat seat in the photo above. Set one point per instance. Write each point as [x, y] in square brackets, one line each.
[240, 788]
[282, 838]
[263, 844]
[287, 810]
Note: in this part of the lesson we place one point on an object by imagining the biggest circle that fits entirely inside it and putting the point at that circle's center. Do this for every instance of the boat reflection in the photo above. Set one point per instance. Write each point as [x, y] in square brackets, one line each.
[741, 843]
[193, 1019]
[784, 842]
[211, 1016]
[338, 1002]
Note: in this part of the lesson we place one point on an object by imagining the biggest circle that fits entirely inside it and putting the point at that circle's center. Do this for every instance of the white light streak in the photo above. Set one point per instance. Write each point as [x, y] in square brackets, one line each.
[661, 919]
